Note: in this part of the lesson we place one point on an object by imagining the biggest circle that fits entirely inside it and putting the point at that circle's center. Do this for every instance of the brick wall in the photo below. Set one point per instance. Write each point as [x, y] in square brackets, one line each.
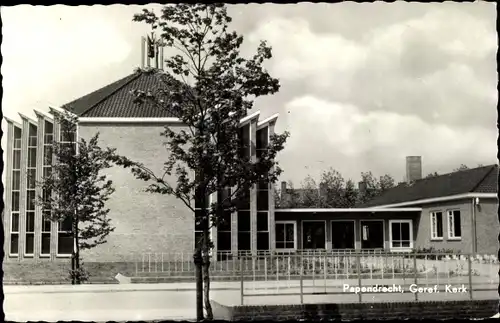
[487, 226]
[356, 311]
[144, 222]
[423, 238]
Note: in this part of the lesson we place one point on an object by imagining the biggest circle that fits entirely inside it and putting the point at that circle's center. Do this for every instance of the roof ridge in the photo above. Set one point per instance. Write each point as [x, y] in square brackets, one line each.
[132, 77]
[492, 167]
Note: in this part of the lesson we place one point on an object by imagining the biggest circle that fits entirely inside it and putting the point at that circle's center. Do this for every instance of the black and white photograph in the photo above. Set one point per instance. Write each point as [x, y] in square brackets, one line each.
[203, 161]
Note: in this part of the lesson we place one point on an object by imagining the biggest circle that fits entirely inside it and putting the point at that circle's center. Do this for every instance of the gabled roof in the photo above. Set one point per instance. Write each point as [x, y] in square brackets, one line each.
[476, 180]
[116, 100]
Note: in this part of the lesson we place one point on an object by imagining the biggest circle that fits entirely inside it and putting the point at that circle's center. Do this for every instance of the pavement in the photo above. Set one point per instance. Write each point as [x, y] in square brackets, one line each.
[176, 301]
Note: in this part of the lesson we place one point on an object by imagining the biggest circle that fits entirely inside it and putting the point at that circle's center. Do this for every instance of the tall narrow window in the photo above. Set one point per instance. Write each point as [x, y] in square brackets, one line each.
[16, 187]
[30, 191]
[436, 225]
[401, 234]
[198, 216]
[454, 225]
[47, 168]
[65, 237]
[224, 225]
[263, 230]
[263, 185]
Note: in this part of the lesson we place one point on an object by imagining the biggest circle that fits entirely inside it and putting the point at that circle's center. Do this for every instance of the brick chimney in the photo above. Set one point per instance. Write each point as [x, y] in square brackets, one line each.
[283, 190]
[413, 168]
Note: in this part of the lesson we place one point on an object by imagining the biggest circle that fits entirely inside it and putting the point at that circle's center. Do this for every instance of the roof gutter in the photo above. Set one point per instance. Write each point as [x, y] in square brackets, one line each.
[350, 210]
[440, 199]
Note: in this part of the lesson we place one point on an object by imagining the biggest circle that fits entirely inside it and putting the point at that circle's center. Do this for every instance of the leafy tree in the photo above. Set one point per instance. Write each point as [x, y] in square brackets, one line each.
[211, 87]
[289, 199]
[332, 189]
[461, 168]
[432, 175]
[350, 194]
[309, 193]
[74, 192]
[374, 187]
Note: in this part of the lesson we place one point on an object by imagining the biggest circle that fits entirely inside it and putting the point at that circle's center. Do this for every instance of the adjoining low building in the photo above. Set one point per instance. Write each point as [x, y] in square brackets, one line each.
[459, 209]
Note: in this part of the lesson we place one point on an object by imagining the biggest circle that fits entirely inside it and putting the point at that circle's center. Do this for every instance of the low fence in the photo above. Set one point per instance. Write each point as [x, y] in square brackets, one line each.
[358, 274]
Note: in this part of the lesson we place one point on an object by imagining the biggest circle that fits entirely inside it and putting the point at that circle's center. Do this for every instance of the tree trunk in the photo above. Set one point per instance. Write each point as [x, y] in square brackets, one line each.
[199, 283]
[206, 273]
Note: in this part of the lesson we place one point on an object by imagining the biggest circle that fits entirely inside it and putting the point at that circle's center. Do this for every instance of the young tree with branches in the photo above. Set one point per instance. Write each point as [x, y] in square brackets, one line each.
[74, 192]
[211, 88]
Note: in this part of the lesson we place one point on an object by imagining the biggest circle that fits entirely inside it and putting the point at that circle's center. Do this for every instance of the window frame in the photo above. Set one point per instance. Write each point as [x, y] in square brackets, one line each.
[433, 214]
[450, 215]
[354, 236]
[294, 223]
[391, 240]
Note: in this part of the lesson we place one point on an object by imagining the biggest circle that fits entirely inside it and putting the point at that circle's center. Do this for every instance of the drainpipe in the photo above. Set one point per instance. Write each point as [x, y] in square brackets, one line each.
[473, 227]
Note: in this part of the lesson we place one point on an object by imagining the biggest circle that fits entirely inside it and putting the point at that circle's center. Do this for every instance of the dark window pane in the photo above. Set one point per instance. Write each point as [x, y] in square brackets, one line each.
[263, 185]
[30, 243]
[30, 200]
[244, 139]
[262, 240]
[32, 157]
[244, 241]
[17, 133]
[31, 178]
[16, 159]
[48, 139]
[198, 203]
[47, 155]
[30, 221]
[66, 224]
[224, 241]
[243, 221]
[32, 141]
[280, 245]
[17, 143]
[32, 130]
[396, 244]
[439, 221]
[49, 127]
[224, 197]
[47, 172]
[243, 199]
[396, 231]
[46, 225]
[290, 232]
[405, 244]
[14, 243]
[262, 138]
[405, 231]
[456, 224]
[262, 200]
[15, 222]
[16, 180]
[45, 243]
[280, 232]
[289, 245]
[15, 201]
[262, 221]
[64, 243]
[225, 222]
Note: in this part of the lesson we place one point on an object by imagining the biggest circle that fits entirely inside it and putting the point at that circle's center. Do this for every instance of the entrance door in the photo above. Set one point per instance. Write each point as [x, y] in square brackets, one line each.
[342, 234]
[313, 235]
[372, 234]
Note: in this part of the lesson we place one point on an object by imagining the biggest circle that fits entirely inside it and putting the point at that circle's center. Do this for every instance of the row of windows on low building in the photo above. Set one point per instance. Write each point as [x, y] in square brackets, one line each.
[453, 225]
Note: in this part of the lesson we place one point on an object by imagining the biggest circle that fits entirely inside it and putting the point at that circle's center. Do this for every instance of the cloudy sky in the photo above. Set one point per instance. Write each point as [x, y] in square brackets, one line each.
[362, 85]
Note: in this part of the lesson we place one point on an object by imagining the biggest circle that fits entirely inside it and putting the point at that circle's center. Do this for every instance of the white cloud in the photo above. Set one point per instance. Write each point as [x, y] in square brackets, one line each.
[376, 141]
